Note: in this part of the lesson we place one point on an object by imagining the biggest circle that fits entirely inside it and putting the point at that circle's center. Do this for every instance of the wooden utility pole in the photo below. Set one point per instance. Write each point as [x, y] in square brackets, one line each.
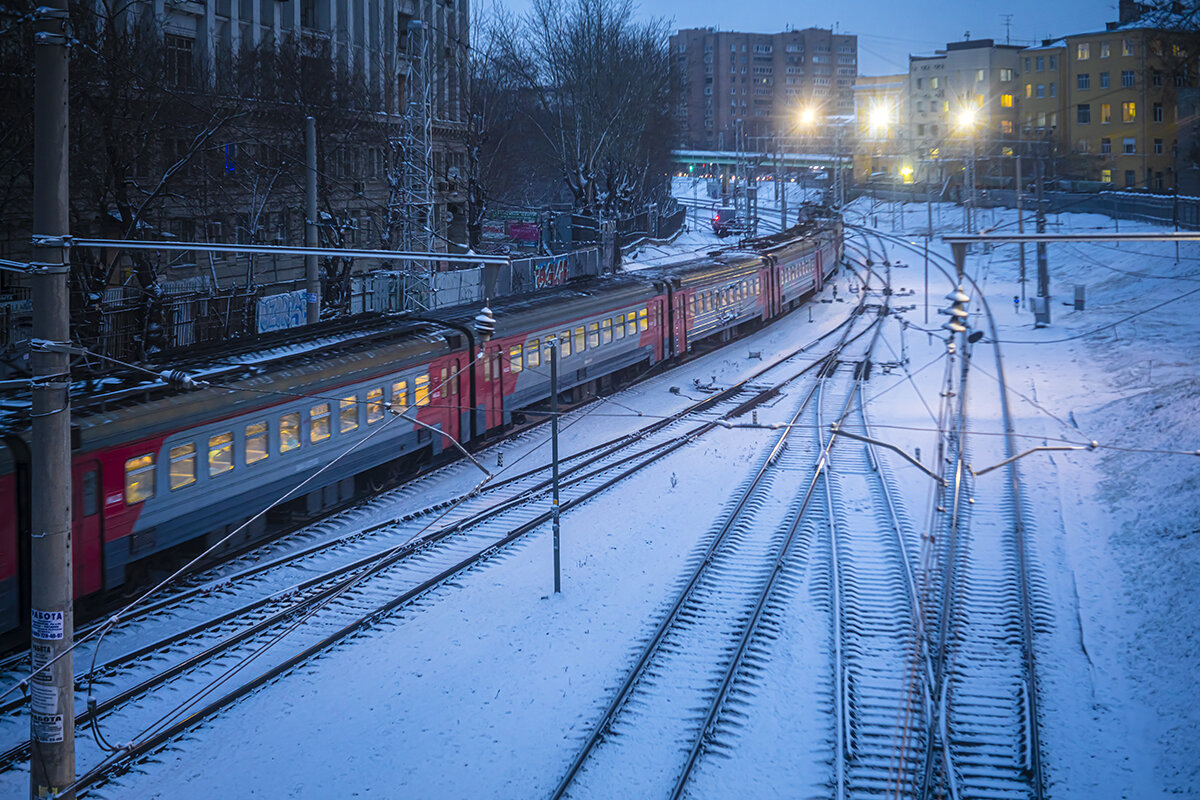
[52, 623]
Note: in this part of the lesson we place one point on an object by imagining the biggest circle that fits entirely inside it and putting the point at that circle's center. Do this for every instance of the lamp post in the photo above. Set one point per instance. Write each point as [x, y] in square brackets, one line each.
[966, 123]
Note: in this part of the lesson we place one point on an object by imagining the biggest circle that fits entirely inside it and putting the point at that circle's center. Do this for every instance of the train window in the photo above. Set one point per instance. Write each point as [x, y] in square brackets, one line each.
[580, 341]
[643, 321]
[220, 453]
[605, 331]
[514, 358]
[255, 447]
[631, 323]
[658, 316]
[319, 424]
[399, 395]
[708, 301]
[487, 367]
[692, 306]
[289, 431]
[182, 469]
[564, 344]
[533, 354]
[90, 492]
[347, 414]
[618, 323]
[593, 335]
[454, 383]
[139, 479]
[374, 405]
[421, 390]
[445, 380]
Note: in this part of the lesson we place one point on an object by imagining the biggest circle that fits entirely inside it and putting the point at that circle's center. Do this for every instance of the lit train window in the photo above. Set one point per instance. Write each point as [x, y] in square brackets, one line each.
[319, 424]
[445, 379]
[220, 453]
[643, 320]
[631, 323]
[256, 448]
[605, 331]
[348, 414]
[593, 336]
[399, 395]
[692, 306]
[564, 343]
[182, 469]
[421, 390]
[454, 383]
[580, 341]
[514, 358]
[618, 323]
[139, 479]
[289, 431]
[374, 405]
[533, 357]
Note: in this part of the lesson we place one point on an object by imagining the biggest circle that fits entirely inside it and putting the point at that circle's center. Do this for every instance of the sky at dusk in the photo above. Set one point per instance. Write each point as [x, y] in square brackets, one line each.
[888, 30]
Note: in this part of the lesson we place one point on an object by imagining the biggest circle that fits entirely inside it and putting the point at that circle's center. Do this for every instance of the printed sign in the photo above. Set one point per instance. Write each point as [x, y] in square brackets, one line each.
[41, 654]
[47, 625]
[279, 312]
[48, 727]
[526, 232]
[44, 698]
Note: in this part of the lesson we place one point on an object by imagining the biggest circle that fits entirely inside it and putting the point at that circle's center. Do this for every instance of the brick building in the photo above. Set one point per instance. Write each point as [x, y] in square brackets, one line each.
[762, 80]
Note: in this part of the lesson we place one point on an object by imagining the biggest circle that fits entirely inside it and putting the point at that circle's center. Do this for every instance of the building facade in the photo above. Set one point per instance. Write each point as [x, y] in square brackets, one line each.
[962, 101]
[880, 115]
[760, 82]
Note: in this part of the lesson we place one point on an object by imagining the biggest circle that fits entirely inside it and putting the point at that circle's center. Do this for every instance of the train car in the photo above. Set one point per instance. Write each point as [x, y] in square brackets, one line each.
[160, 473]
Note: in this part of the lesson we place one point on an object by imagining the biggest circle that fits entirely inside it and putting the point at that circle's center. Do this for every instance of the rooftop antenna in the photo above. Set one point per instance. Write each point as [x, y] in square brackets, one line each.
[966, 36]
[1007, 27]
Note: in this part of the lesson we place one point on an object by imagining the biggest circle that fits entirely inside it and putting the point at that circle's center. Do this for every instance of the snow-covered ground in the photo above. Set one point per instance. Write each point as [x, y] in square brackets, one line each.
[486, 687]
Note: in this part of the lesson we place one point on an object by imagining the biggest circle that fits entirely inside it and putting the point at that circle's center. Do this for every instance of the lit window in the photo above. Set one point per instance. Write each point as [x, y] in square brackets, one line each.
[1028, 90]
[374, 405]
[319, 424]
[979, 74]
[606, 334]
[1128, 111]
[580, 340]
[1105, 113]
[1126, 50]
[533, 357]
[1106, 174]
[347, 414]
[643, 320]
[139, 479]
[289, 431]
[421, 390]
[515, 362]
[564, 344]
[631, 323]
[220, 453]
[399, 395]
[618, 323]
[1006, 126]
[256, 447]
[1104, 49]
[1006, 101]
[1083, 52]
[593, 334]
[183, 466]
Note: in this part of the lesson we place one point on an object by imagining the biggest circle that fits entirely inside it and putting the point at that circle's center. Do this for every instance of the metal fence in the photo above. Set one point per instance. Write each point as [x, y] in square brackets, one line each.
[1160, 209]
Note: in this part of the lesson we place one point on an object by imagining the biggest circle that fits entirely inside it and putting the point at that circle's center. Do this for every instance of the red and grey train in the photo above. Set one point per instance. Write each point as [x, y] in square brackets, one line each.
[162, 472]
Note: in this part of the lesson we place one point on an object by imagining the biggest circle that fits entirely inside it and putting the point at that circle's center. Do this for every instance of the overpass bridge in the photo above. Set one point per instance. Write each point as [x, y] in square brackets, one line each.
[730, 158]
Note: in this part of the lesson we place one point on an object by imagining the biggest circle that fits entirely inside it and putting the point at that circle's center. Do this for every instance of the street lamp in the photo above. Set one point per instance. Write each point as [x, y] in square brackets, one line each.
[966, 123]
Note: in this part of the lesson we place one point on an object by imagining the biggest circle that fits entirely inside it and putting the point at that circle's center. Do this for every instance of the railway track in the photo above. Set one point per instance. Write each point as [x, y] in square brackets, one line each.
[982, 738]
[214, 660]
[668, 709]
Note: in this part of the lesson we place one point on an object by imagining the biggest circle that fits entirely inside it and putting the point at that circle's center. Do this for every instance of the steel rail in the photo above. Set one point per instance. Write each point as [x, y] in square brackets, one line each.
[669, 619]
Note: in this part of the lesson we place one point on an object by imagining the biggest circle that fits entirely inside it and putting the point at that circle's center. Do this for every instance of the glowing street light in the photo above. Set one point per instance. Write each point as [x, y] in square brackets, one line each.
[878, 119]
[966, 118]
[807, 116]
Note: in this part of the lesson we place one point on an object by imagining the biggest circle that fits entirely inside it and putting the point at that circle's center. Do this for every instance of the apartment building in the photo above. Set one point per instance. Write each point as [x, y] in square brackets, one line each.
[962, 98]
[759, 81]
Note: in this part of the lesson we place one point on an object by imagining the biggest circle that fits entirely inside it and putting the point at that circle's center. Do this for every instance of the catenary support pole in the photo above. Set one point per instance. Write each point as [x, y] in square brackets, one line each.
[928, 236]
[554, 458]
[1043, 270]
[52, 691]
[312, 281]
[1021, 227]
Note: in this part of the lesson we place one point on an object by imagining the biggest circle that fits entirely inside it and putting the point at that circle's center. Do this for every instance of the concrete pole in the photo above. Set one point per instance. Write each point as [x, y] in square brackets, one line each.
[52, 691]
[312, 280]
[554, 458]
[1021, 227]
[1043, 269]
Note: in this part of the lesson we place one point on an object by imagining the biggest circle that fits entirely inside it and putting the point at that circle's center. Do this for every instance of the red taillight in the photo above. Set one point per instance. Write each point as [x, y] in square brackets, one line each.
[716, 219]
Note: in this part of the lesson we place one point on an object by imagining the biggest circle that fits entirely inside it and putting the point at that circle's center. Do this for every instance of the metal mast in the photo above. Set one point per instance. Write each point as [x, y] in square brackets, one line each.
[416, 149]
